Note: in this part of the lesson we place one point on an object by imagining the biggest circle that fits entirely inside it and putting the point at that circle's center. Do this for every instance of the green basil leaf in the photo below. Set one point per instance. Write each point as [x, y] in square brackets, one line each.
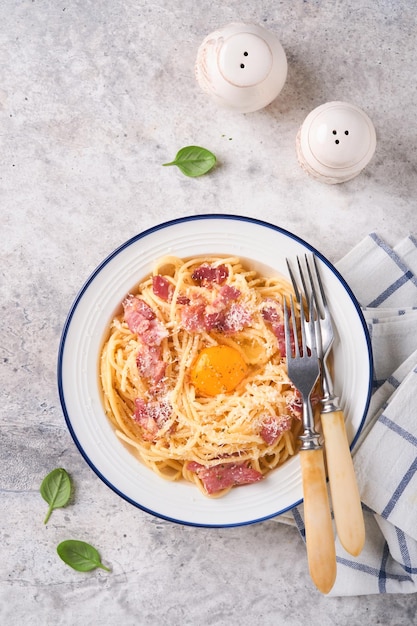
[56, 490]
[80, 555]
[194, 161]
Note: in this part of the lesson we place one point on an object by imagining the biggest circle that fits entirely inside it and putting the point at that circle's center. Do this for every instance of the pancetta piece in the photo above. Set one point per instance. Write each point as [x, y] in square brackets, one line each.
[272, 428]
[142, 321]
[151, 416]
[237, 317]
[224, 475]
[272, 313]
[162, 287]
[150, 364]
[206, 274]
[224, 314]
[227, 293]
[193, 316]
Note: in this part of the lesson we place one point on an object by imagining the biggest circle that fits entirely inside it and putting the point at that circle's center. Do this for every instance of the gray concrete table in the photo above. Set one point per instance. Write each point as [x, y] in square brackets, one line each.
[94, 97]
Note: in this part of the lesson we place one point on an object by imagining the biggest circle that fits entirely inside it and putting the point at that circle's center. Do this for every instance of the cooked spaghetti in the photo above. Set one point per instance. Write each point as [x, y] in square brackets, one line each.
[194, 377]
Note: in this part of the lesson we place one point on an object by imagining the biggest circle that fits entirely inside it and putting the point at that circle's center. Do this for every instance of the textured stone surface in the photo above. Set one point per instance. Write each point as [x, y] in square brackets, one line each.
[94, 97]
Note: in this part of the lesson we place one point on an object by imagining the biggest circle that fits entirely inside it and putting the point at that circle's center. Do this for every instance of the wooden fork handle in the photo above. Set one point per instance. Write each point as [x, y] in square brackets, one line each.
[344, 490]
[321, 552]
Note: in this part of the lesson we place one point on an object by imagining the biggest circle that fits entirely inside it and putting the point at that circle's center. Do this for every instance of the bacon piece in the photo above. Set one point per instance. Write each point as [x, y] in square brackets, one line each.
[273, 427]
[193, 316]
[151, 416]
[150, 364]
[214, 321]
[216, 314]
[236, 318]
[155, 333]
[183, 300]
[272, 312]
[199, 316]
[227, 293]
[206, 274]
[224, 475]
[136, 310]
[162, 287]
[142, 321]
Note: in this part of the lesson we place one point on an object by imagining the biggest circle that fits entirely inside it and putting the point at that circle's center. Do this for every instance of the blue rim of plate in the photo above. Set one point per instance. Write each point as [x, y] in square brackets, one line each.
[104, 263]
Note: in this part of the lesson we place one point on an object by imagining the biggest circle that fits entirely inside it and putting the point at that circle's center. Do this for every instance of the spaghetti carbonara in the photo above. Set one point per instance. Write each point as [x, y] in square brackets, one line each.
[194, 377]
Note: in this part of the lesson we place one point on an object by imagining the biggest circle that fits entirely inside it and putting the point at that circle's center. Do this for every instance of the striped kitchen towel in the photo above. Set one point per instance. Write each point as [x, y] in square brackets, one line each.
[384, 281]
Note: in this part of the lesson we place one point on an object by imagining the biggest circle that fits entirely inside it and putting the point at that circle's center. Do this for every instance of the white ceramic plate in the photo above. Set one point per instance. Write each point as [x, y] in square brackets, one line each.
[266, 246]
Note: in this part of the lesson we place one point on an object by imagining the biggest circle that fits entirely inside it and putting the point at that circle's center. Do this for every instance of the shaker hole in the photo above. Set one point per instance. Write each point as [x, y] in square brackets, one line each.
[334, 132]
[346, 132]
[242, 65]
[337, 141]
[245, 54]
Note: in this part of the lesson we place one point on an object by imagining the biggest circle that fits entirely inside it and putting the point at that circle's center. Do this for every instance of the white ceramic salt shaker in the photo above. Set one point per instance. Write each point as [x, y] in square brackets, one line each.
[335, 142]
[241, 66]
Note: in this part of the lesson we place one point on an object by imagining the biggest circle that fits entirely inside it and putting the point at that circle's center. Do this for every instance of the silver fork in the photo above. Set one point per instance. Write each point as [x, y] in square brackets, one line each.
[344, 490]
[303, 370]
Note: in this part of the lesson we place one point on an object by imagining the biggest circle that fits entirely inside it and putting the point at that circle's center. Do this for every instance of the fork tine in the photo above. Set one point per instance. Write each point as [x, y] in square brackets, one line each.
[312, 327]
[321, 303]
[287, 332]
[320, 283]
[303, 330]
[294, 329]
[294, 282]
[306, 291]
[306, 288]
[304, 324]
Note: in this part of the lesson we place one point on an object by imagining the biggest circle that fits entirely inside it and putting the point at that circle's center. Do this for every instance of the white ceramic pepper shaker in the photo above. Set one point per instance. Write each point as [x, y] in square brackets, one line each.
[241, 66]
[335, 142]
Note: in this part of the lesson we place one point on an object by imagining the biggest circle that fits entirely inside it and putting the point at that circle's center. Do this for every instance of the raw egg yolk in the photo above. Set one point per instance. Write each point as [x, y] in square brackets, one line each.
[218, 369]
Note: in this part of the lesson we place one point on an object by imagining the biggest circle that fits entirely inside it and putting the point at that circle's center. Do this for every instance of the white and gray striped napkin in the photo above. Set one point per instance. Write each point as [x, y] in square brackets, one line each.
[384, 281]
